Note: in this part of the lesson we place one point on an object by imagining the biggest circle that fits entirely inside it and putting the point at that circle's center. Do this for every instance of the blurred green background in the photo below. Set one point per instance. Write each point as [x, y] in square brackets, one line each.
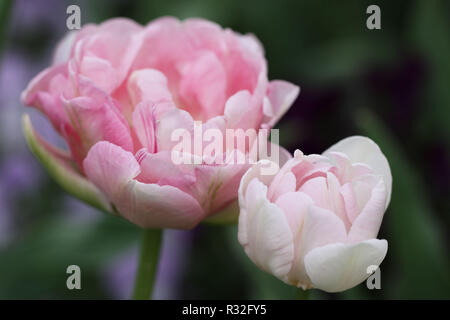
[392, 85]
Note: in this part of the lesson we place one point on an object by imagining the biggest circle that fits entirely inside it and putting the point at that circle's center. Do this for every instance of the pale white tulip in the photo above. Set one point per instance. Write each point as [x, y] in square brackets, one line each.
[314, 223]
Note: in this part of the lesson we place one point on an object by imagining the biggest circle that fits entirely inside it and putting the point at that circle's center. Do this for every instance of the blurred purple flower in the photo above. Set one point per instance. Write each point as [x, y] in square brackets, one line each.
[15, 72]
[28, 14]
[13, 79]
[175, 251]
[78, 212]
[19, 173]
[119, 276]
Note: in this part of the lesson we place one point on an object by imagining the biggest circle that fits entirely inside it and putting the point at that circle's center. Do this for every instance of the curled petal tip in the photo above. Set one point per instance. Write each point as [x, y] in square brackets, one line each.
[298, 154]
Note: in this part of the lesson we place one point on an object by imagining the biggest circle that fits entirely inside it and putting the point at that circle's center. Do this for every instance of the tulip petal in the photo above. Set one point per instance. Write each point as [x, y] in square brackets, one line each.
[205, 35]
[337, 203]
[363, 150]
[254, 172]
[294, 206]
[202, 86]
[96, 119]
[44, 92]
[158, 168]
[114, 170]
[316, 188]
[162, 47]
[169, 125]
[236, 108]
[245, 65]
[287, 184]
[277, 158]
[154, 206]
[320, 227]
[148, 85]
[108, 48]
[64, 48]
[268, 240]
[144, 123]
[284, 155]
[368, 222]
[100, 72]
[59, 166]
[224, 185]
[337, 267]
[282, 95]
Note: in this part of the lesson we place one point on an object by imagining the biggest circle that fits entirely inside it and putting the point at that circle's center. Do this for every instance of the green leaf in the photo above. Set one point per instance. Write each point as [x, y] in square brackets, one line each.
[429, 34]
[417, 259]
[5, 6]
[35, 264]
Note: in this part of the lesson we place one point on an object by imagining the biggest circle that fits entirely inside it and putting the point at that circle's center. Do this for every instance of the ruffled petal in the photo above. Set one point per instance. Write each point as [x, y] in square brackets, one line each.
[363, 150]
[202, 86]
[267, 240]
[97, 119]
[368, 222]
[148, 85]
[44, 92]
[114, 170]
[281, 95]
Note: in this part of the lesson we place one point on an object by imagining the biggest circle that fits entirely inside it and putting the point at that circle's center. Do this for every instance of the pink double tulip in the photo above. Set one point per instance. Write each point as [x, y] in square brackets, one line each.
[115, 93]
[314, 223]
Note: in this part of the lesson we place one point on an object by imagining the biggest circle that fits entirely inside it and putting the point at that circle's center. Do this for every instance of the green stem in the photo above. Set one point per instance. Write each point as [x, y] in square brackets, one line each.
[148, 264]
[302, 294]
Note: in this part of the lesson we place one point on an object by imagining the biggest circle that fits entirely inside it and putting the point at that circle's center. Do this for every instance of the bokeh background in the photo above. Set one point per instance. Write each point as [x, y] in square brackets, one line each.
[392, 85]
